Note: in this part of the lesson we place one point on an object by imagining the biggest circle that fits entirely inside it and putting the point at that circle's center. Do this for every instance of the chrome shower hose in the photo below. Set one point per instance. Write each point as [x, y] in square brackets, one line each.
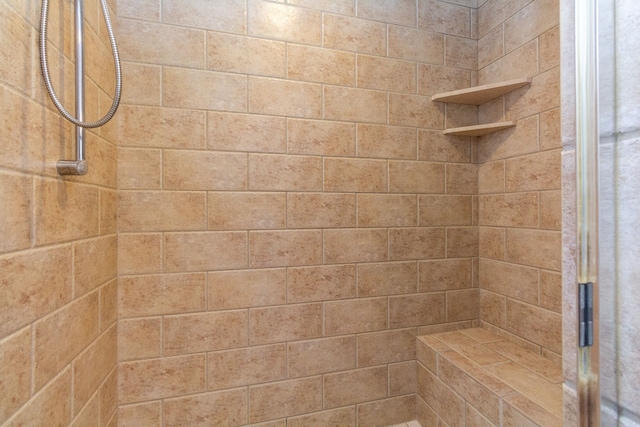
[44, 18]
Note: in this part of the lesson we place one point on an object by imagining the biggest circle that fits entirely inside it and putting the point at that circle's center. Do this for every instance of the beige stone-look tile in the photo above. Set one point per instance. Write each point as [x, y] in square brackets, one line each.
[535, 324]
[461, 52]
[416, 45]
[427, 350]
[196, 333]
[108, 211]
[355, 316]
[344, 7]
[139, 338]
[161, 378]
[549, 48]
[387, 411]
[441, 275]
[321, 283]
[321, 356]
[147, 414]
[314, 210]
[284, 22]
[470, 348]
[416, 243]
[462, 179]
[509, 210]
[161, 294]
[355, 175]
[205, 251]
[522, 62]
[443, 17]
[474, 418]
[462, 242]
[448, 405]
[284, 172]
[531, 21]
[240, 54]
[354, 104]
[354, 34]
[321, 137]
[241, 211]
[491, 177]
[491, 13]
[246, 366]
[161, 211]
[393, 75]
[520, 410]
[52, 348]
[95, 263]
[285, 98]
[512, 280]
[445, 327]
[416, 310]
[402, 378]
[218, 408]
[532, 361]
[285, 248]
[34, 284]
[89, 414]
[285, 323]
[415, 111]
[65, 211]
[285, 398]
[401, 12]
[542, 95]
[143, 83]
[551, 291]
[355, 386]
[491, 46]
[540, 171]
[139, 253]
[551, 210]
[52, 404]
[516, 141]
[459, 115]
[386, 142]
[224, 15]
[91, 368]
[377, 210]
[345, 417]
[108, 304]
[320, 65]
[142, 126]
[462, 305]
[138, 41]
[493, 308]
[246, 132]
[389, 278]
[15, 372]
[481, 335]
[379, 348]
[246, 288]
[16, 224]
[482, 398]
[416, 177]
[550, 129]
[355, 245]
[434, 79]
[433, 146]
[197, 170]
[536, 248]
[139, 168]
[18, 34]
[444, 210]
[205, 90]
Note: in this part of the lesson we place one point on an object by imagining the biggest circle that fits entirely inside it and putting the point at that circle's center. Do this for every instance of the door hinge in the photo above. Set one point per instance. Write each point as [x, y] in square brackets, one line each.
[586, 314]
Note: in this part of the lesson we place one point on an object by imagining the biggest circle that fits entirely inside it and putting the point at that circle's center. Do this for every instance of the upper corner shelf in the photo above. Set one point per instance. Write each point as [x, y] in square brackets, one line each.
[480, 94]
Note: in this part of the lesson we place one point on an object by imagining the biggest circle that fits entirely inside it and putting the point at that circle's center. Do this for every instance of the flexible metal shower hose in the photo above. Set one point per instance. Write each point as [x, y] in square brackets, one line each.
[47, 79]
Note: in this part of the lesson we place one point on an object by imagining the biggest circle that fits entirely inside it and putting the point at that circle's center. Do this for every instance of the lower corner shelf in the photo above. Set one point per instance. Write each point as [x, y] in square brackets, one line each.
[479, 130]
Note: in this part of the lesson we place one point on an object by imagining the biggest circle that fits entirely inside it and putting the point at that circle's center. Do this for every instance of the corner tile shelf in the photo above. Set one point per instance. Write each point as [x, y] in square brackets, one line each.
[476, 96]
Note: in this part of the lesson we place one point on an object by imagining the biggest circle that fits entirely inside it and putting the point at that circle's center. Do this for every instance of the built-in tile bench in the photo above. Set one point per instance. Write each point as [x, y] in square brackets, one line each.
[473, 377]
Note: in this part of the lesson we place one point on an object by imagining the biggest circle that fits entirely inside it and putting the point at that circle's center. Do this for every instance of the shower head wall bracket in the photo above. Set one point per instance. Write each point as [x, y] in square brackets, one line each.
[72, 167]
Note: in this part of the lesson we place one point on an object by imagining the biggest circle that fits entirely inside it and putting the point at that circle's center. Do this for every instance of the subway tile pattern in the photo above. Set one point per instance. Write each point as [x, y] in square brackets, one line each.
[284, 193]
[58, 245]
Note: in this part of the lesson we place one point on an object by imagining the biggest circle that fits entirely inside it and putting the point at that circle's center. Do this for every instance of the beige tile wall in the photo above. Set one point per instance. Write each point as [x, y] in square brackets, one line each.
[290, 216]
[520, 175]
[58, 288]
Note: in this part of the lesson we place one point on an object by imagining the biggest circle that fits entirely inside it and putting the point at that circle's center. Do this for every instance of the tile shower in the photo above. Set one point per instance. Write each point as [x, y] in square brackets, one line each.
[274, 214]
